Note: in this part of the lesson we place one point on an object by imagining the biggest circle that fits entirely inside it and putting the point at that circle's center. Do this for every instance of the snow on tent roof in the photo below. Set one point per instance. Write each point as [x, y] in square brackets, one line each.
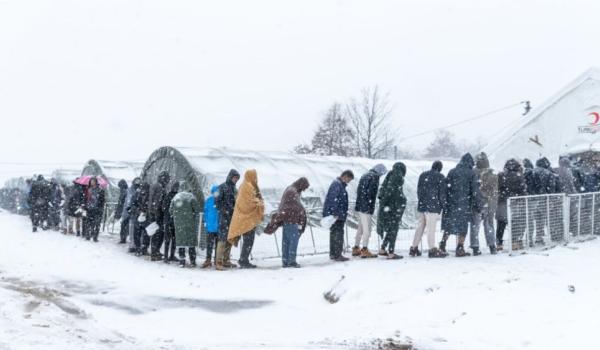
[65, 176]
[113, 172]
[566, 123]
[203, 167]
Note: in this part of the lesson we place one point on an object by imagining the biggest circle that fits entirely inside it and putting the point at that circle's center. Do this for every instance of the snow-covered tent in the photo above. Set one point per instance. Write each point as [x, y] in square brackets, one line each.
[202, 167]
[65, 176]
[566, 124]
[113, 172]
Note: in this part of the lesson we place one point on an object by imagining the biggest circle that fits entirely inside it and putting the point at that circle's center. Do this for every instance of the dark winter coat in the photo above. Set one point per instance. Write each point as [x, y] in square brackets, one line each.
[565, 177]
[291, 210]
[139, 201]
[591, 182]
[528, 174]
[543, 180]
[488, 182]
[462, 197]
[121, 201]
[211, 214]
[225, 203]
[168, 226]
[431, 190]
[511, 183]
[336, 201]
[75, 199]
[366, 194]
[39, 196]
[94, 201]
[392, 201]
[157, 194]
[185, 211]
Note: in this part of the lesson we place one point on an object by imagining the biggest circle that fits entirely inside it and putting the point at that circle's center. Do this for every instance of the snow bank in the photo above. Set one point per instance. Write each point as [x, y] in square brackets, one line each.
[122, 302]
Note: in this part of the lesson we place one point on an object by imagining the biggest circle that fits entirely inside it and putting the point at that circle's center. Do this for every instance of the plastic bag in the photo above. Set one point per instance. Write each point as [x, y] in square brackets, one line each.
[328, 221]
[152, 229]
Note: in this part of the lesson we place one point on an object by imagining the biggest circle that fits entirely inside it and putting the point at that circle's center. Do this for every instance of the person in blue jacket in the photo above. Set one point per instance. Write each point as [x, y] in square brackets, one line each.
[336, 205]
[211, 223]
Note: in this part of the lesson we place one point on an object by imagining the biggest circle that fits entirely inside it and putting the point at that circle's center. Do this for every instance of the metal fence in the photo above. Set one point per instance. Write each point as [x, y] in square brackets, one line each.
[548, 220]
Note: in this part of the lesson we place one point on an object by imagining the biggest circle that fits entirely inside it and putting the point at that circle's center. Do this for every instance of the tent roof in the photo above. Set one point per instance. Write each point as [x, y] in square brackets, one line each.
[507, 138]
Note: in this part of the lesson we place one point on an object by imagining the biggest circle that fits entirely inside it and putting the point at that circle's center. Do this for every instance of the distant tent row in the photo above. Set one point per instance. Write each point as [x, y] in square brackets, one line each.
[202, 167]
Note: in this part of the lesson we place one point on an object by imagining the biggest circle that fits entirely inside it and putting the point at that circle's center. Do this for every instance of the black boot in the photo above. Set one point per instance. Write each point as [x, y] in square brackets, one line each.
[476, 251]
[182, 263]
[493, 250]
[414, 251]
[460, 251]
[443, 246]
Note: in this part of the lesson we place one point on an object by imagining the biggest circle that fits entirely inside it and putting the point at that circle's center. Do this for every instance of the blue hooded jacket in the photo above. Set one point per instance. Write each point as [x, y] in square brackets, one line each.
[211, 214]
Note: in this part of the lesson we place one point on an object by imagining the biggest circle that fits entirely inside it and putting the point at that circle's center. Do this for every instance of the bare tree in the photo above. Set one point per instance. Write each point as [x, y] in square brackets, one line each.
[370, 116]
[334, 136]
[443, 146]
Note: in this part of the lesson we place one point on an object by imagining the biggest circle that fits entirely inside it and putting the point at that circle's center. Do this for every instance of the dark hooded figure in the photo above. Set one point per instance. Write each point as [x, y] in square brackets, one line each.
[57, 198]
[131, 212]
[463, 200]
[292, 216]
[225, 203]
[544, 182]
[119, 210]
[366, 196]
[94, 209]
[169, 227]
[565, 176]
[488, 186]
[138, 211]
[511, 183]
[156, 212]
[431, 193]
[392, 204]
[39, 201]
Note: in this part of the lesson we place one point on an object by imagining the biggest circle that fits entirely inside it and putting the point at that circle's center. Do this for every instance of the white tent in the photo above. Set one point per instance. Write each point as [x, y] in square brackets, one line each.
[203, 167]
[568, 123]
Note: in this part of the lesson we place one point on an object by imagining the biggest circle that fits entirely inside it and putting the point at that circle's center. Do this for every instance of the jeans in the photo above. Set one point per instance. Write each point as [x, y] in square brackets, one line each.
[336, 239]
[212, 239]
[247, 245]
[487, 218]
[289, 244]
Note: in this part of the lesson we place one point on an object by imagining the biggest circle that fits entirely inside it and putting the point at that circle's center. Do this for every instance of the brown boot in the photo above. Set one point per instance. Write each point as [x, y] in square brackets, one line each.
[382, 252]
[366, 254]
[220, 267]
[206, 264]
[356, 251]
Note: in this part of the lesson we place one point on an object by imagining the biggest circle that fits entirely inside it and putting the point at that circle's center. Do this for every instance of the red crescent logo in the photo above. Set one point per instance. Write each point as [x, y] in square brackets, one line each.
[596, 116]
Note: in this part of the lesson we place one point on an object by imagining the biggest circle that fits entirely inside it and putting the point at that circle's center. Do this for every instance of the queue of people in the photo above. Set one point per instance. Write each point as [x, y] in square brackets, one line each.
[162, 220]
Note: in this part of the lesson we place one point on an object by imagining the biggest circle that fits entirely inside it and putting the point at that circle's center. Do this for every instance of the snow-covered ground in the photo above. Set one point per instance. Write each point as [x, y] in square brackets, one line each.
[60, 292]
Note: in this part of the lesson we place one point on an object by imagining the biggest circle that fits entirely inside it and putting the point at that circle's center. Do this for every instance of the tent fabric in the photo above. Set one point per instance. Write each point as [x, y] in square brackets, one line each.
[565, 124]
[113, 172]
[202, 167]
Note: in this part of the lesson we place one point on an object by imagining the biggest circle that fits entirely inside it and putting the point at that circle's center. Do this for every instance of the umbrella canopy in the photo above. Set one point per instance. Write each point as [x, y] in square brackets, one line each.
[85, 180]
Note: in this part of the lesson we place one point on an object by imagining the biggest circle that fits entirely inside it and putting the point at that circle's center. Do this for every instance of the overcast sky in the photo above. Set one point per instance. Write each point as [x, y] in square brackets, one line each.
[117, 79]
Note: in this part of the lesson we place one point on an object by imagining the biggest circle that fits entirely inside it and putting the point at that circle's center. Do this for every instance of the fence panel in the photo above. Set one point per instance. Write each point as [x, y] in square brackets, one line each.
[537, 220]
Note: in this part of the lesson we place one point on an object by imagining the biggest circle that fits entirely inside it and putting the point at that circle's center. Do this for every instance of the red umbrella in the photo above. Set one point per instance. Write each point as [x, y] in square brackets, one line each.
[85, 180]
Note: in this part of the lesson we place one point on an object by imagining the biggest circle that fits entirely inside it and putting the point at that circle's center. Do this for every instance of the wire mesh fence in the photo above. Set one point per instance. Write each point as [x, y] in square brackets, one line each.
[548, 220]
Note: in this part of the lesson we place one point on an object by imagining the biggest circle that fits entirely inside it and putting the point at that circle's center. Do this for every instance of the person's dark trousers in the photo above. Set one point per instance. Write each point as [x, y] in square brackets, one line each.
[88, 225]
[192, 251]
[336, 239]
[389, 241]
[95, 219]
[157, 240]
[124, 229]
[212, 238]
[35, 218]
[169, 242]
[145, 238]
[500, 227]
[248, 243]
[289, 244]
[137, 236]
